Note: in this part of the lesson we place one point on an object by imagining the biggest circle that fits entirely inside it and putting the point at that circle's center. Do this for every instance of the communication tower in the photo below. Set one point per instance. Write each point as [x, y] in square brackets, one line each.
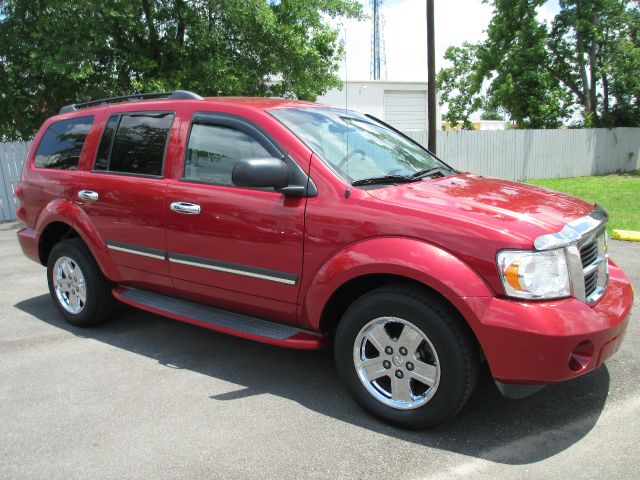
[378, 56]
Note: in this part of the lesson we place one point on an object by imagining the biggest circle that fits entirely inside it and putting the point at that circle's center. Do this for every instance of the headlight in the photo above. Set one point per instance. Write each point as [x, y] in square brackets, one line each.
[534, 275]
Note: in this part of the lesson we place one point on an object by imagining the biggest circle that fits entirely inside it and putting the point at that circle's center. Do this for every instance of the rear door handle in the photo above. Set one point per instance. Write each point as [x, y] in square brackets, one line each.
[88, 195]
[185, 208]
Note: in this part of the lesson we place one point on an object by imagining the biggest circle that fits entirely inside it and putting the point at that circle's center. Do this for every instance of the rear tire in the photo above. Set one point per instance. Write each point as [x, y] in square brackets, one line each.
[79, 290]
[406, 356]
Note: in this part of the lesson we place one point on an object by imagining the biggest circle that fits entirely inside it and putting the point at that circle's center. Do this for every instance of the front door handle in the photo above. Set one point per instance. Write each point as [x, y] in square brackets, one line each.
[88, 195]
[185, 208]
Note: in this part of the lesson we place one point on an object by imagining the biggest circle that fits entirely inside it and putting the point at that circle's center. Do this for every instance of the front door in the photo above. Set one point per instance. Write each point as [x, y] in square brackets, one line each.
[241, 247]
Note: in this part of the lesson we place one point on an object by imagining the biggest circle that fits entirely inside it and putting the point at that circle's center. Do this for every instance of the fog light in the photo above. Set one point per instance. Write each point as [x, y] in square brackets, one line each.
[581, 356]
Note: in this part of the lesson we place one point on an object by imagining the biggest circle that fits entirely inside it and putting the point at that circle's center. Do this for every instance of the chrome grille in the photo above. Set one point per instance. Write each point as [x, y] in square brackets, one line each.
[593, 256]
[585, 244]
[588, 254]
[590, 283]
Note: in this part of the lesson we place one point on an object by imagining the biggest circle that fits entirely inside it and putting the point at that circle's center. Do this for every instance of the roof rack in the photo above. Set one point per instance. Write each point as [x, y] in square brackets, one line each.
[175, 95]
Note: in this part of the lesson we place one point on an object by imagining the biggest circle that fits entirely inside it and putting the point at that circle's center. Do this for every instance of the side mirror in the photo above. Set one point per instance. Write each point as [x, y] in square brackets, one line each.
[260, 172]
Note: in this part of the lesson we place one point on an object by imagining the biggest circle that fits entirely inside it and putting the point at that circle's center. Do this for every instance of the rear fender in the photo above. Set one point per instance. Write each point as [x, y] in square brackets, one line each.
[66, 211]
[405, 257]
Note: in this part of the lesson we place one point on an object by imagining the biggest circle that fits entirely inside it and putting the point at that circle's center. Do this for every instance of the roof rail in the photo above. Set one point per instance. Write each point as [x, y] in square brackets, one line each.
[175, 95]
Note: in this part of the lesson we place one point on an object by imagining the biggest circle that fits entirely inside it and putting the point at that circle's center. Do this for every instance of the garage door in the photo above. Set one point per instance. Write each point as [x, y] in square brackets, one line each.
[406, 110]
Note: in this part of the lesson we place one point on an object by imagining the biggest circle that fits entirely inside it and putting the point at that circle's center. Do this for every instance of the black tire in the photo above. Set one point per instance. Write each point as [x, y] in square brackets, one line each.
[456, 349]
[99, 302]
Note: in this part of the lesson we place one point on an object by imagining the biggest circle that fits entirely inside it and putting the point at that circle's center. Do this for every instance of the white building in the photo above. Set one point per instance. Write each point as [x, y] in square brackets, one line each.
[493, 125]
[401, 104]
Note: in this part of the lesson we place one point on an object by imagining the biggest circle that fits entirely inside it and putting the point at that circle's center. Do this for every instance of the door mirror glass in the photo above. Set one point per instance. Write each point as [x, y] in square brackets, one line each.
[260, 173]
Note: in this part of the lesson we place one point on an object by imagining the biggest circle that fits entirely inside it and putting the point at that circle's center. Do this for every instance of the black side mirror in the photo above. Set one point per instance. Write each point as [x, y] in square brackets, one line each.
[260, 172]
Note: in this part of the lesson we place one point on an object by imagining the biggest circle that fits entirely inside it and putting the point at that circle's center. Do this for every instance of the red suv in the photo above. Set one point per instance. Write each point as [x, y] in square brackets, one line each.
[296, 224]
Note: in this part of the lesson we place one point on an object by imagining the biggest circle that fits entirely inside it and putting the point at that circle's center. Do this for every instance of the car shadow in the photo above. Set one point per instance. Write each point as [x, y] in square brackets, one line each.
[489, 427]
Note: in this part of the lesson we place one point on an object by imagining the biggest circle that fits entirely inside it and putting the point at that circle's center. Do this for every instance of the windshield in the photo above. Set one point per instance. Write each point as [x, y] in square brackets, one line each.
[358, 147]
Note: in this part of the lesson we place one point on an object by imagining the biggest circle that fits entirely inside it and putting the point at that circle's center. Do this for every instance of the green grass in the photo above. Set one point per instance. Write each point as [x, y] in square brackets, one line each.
[619, 194]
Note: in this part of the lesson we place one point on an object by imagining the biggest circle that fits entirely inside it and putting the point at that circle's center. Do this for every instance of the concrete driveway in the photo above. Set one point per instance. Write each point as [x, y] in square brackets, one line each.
[147, 397]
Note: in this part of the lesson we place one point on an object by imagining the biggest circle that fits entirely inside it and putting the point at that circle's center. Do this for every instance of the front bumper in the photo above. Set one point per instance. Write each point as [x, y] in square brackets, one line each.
[544, 342]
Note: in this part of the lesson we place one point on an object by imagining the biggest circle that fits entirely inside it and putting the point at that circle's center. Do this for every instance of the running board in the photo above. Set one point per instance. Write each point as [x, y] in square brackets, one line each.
[213, 318]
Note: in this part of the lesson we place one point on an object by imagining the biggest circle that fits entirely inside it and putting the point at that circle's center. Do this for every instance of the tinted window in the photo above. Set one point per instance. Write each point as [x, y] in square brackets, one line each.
[106, 143]
[138, 146]
[213, 151]
[62, 143]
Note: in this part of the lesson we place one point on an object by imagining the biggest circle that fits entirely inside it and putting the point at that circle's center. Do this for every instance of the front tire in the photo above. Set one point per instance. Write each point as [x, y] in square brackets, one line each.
[406, 356]
[77, 286]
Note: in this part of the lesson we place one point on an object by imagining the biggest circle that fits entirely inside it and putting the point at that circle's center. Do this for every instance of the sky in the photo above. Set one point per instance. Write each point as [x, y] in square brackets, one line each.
[405, 33]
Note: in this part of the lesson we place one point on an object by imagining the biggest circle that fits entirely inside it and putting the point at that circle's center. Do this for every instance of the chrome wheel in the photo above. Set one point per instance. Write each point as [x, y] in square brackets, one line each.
[396, 363]
[69, 284]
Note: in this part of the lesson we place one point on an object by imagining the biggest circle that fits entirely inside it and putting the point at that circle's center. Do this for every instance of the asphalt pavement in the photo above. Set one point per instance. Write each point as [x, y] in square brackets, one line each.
[147, 397]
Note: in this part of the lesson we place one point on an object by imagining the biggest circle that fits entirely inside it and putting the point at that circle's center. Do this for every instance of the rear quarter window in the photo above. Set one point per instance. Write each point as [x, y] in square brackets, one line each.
[62, 144]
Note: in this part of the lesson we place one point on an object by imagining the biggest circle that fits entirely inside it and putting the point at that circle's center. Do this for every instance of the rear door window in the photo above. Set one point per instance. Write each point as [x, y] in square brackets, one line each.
[134, 143]
[62, 144]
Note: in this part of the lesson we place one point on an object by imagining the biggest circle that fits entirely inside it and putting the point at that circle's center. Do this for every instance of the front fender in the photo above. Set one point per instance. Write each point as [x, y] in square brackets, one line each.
[410, 258]
[68, 212]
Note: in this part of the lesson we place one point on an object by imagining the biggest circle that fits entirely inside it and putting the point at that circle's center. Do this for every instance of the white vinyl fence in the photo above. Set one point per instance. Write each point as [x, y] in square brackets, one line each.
[512, 155]
[12, 155]
[529, 154]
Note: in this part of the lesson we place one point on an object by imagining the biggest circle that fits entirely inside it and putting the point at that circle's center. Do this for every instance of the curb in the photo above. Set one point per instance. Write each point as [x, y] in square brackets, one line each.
[628, 235]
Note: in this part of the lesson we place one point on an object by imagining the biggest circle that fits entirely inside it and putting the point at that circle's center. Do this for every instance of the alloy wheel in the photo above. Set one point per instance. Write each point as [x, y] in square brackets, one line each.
[396, 363]
[69, 284]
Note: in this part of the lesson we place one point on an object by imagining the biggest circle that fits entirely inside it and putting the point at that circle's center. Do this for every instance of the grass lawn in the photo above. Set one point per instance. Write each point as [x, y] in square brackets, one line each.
[619, 194]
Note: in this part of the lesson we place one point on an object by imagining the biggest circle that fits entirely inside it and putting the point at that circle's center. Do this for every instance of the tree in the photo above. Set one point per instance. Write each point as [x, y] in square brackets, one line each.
[64, 51]
[514, 55]
[585, 61]
[491, 115]
[461, 84]
[619, 76]
[594, 46]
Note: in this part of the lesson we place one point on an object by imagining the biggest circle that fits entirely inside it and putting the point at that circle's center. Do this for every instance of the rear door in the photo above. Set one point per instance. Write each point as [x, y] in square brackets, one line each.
[244, 244]
[124, 194]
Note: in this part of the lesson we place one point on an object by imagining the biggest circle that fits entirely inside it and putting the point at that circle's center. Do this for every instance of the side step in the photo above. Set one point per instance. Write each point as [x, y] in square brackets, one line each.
[220, 320]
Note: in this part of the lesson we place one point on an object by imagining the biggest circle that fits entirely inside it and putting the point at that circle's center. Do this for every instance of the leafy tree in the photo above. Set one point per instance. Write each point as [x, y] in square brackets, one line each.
[491, 115]
[515, 54]
[596, 48]
[461, 84]
[586, 61]
[54, 52]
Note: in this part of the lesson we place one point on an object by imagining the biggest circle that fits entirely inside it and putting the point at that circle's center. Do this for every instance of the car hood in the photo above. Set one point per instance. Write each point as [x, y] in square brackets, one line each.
[508, 207]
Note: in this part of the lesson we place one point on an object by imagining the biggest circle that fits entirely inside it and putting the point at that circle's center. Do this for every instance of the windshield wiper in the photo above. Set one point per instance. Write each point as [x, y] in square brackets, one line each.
[430, 172]
[385, 180]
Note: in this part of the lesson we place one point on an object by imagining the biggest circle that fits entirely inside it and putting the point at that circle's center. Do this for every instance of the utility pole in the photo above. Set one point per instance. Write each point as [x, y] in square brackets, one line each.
[431, 77]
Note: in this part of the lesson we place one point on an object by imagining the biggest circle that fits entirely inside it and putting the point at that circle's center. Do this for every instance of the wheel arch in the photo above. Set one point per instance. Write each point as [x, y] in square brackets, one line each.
[370, 264]
[53, 233]
[353, 289]
[63, 219]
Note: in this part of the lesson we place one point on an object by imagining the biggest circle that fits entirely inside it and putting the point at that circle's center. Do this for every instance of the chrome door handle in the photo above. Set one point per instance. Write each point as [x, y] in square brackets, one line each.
[185, 208]
[88, 195]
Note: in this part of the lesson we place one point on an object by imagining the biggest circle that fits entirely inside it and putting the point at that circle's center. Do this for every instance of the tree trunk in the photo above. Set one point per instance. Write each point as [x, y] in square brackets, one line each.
[586, 96]
[593, 73]
[593, 99]
[153, 32]
[603, 76]
[182, 26]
